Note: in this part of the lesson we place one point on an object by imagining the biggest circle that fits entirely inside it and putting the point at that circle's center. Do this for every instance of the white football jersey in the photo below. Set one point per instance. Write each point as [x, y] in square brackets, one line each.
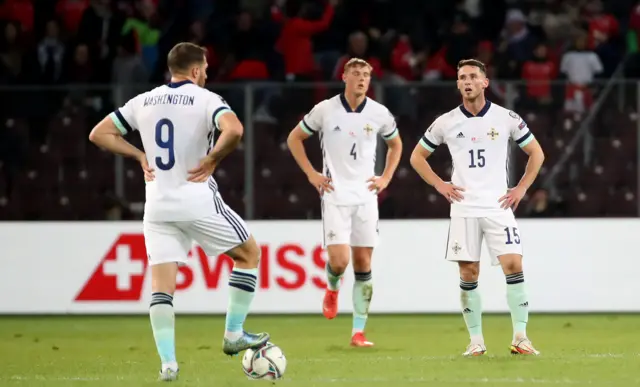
[479, 147]
[176, 123]
[349, 141]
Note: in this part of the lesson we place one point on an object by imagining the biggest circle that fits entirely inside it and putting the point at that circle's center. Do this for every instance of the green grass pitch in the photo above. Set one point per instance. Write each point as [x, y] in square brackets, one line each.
[414, 350]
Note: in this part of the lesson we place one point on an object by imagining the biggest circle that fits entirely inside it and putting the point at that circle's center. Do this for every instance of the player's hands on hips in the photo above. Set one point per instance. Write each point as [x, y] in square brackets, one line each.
[512, 198]
[320, 182]
[203, 171]
[146, 169]
[450, 191]
[378, 183]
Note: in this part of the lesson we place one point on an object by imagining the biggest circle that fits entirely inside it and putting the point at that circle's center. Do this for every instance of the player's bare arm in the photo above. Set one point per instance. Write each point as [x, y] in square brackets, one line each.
[536, 157]
[420, 164]
[295, 142]
[107, 136]
[231, 133]
[394, 152]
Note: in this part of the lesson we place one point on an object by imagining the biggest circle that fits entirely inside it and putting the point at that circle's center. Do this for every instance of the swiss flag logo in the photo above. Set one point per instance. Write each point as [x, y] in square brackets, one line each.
[120, 274]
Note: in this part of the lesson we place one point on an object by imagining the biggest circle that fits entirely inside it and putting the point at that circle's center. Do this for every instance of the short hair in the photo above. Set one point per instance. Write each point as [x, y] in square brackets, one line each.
[353, 62]
[185, 55]
[472, 62]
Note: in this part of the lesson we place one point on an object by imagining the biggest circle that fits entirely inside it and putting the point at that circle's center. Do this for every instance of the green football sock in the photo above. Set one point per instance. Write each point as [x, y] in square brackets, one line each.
[471, 304]
[333, 278]
[518, 304]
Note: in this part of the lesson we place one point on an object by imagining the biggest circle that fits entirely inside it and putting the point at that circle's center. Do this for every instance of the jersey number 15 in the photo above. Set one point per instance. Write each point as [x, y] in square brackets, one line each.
[477, 158]
[165, 144]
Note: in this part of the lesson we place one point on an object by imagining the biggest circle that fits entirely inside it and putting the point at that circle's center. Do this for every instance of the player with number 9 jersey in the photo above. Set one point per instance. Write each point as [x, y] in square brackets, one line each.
[183, 204]
[176, 122]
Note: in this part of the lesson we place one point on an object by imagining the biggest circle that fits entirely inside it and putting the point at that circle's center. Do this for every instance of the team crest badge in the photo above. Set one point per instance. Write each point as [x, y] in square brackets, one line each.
[493, 134]
[368, 129]
[456, 248]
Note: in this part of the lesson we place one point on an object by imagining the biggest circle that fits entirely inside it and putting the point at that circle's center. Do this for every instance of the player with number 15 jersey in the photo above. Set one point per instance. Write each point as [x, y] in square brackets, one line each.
[478, 134]
[176, 123]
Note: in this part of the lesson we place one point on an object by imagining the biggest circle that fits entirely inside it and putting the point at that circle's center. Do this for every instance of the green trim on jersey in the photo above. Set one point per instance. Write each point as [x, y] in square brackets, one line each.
[216, 118]
[118, 124]
[392, 135]
[427, 147]
[305, 129]
[527, 141]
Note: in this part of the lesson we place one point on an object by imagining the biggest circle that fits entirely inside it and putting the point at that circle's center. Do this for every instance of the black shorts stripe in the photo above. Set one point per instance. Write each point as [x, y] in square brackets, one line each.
[237, 226]
[324, 241]
[446, 247]
[213, 191]
[123, 121]
[238, 221]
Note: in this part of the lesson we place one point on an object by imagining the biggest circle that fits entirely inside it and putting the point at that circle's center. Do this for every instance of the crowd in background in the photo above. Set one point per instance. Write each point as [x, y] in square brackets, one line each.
[124, 42]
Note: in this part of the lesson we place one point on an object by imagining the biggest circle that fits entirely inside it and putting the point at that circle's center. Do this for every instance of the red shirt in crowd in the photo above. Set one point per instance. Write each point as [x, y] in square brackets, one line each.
[295, 41]
[538, 76]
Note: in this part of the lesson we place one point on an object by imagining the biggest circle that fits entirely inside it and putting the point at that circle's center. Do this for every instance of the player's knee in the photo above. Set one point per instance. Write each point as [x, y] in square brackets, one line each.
[469, 271]
[511, 263]
[246, 255]
[362, 260]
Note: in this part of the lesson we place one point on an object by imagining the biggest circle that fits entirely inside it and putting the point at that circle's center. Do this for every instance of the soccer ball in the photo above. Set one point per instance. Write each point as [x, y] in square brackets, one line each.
[266, 363]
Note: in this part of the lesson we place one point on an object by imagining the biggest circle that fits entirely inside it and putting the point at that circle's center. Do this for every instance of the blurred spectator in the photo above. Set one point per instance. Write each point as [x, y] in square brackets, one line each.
[538, 72]
[80, 69]
[580, 65]
[295, 39]
[140, 21]
[246, 54]
[101, 28]
[11, 54]
[358, 48]
[461, 43]
[197, 35]
[70, 12]
[602, 26]
[516, 46]
[129, 72]
[20, 11]
[405, 61]
[50, 52]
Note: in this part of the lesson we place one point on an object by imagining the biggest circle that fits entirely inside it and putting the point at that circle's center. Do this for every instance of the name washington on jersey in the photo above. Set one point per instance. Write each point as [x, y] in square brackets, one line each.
[169, 99]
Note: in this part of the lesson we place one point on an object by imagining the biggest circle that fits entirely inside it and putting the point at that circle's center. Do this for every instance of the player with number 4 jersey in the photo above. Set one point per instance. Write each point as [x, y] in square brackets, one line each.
[183, 204]
[478, 134]
[348, 126]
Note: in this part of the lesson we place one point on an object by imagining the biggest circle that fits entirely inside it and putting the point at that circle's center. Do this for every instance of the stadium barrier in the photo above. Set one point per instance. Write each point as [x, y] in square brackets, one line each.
[580, 265]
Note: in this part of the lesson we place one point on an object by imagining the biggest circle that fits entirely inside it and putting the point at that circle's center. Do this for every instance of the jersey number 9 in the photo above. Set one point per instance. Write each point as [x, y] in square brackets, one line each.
[165, 144]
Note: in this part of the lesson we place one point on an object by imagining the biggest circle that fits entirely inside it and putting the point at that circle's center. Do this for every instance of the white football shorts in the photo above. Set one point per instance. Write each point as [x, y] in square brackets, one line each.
[216, 234]
[354, 225]
[500, 232]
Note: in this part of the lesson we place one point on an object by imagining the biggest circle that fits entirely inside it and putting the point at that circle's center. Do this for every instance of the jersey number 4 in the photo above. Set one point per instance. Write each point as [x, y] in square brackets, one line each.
[353, 151]
[477, 158]
[164, 140]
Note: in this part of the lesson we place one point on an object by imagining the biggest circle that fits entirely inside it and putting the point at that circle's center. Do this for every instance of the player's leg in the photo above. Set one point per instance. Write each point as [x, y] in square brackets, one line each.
[226, 232]
[336, 228]
[166, 247]
[364, 238]
[464, 246]
[505, 247]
